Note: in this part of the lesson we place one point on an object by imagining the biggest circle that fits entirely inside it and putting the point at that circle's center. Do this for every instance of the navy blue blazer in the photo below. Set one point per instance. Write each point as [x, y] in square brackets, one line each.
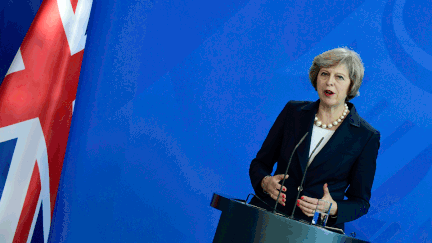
[347, 162]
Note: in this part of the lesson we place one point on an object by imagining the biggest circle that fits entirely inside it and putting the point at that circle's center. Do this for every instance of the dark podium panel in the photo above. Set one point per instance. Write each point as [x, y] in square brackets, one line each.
[241, 222]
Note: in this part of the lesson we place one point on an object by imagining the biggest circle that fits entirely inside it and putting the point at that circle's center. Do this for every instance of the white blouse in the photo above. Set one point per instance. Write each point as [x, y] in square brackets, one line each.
[317, 134]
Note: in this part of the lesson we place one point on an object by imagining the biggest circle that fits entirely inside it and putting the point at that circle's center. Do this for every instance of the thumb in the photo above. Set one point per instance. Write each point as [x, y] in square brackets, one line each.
[280, 177]
[326, 190]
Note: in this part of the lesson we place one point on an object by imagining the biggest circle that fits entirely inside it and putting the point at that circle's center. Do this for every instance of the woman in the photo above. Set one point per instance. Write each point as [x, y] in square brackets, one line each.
[346, 158]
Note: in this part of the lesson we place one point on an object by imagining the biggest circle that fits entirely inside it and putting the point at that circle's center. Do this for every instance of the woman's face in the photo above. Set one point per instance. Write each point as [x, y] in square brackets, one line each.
[332, 85]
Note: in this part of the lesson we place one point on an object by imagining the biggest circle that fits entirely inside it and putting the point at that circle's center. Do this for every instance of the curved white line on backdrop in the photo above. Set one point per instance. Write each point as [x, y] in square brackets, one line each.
[420, 56]
[30, 147]
[368, 14]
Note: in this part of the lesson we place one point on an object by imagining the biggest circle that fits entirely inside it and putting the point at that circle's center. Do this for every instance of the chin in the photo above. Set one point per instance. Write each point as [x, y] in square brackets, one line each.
[330, 102]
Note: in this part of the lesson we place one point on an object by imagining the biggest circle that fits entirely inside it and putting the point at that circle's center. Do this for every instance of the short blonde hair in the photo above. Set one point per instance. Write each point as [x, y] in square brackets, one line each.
[336, 57]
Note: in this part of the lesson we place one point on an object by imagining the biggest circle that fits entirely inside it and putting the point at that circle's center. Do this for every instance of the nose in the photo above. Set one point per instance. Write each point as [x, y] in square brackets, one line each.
[331, 80]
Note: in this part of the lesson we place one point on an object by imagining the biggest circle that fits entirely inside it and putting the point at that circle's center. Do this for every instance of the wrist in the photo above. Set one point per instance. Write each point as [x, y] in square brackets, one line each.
[263, 183]
[333, 216]
[335, 212]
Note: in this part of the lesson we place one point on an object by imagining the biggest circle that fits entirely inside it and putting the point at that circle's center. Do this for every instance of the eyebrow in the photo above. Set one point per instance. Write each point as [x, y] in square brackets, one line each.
[324, 69]
[341, 74]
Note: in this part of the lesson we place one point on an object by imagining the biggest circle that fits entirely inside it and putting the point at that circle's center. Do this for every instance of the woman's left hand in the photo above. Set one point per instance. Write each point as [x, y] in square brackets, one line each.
[308, 204]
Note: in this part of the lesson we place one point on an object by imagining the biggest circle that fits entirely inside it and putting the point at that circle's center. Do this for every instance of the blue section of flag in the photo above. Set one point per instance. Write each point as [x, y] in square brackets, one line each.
[15, 20]
[38, 236]
[6, 151]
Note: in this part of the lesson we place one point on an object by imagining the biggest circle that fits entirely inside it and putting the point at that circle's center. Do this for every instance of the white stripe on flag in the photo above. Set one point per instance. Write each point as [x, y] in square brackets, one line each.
[17, 63]
[30, 147]
[75, 24]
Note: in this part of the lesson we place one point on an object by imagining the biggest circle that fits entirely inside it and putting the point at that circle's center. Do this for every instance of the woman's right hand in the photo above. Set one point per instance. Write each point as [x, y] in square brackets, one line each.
[270, 184]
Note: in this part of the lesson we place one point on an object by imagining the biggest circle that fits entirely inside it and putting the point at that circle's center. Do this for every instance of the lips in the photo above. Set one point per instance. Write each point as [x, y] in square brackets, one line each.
[328, 92]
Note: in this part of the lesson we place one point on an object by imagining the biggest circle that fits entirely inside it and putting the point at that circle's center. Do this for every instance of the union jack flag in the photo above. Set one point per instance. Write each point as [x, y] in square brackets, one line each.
[36, 104]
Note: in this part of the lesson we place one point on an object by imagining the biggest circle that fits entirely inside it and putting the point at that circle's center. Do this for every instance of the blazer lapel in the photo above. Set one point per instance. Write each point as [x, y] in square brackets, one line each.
[303, 124]
[342, 136]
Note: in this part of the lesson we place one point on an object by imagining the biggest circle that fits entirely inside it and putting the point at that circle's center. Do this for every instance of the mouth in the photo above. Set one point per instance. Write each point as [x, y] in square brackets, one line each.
[328, 92]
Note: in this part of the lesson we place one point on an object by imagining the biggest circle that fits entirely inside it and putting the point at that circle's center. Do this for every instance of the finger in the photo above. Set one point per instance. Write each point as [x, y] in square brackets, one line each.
[280, 177]
[310, 200]
[307, 206]
[281, 200]
[282, 195]
[307, 211]
[277, 179]
[279, 186]
[322, 208]
[274, 194]
[273, 183]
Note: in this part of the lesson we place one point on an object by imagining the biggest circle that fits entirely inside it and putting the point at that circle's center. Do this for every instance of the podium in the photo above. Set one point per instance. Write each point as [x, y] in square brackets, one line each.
[241, 222]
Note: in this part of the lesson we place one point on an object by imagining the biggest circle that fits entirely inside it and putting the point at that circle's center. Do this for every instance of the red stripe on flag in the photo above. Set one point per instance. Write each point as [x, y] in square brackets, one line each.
[56, 135]
[29, 208]
[74, 4]
[46, 87]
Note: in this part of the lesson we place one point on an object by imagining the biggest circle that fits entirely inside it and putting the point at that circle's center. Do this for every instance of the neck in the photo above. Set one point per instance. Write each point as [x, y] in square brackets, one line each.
[328, 114]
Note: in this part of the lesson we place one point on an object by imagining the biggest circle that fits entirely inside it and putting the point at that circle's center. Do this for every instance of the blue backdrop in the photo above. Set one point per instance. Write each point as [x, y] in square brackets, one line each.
[176, 97]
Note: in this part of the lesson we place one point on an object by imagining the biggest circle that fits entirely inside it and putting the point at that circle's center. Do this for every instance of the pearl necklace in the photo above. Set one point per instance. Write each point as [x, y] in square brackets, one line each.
[333, 124]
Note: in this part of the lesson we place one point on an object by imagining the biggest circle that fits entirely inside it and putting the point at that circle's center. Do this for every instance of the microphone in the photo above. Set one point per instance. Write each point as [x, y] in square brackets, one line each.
[300, 188]
[286, 172]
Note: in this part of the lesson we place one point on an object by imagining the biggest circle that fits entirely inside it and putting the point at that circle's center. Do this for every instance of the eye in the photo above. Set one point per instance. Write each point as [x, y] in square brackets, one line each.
[340, 77]
[324, 74]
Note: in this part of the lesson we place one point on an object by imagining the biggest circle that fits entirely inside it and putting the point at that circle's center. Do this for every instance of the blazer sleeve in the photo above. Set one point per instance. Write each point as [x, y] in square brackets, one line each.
[361, 179]
[267, 156]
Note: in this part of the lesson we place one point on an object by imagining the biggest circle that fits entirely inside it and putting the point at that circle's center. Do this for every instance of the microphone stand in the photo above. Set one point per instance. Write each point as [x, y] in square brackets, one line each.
[300, 188]
[286, 172]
